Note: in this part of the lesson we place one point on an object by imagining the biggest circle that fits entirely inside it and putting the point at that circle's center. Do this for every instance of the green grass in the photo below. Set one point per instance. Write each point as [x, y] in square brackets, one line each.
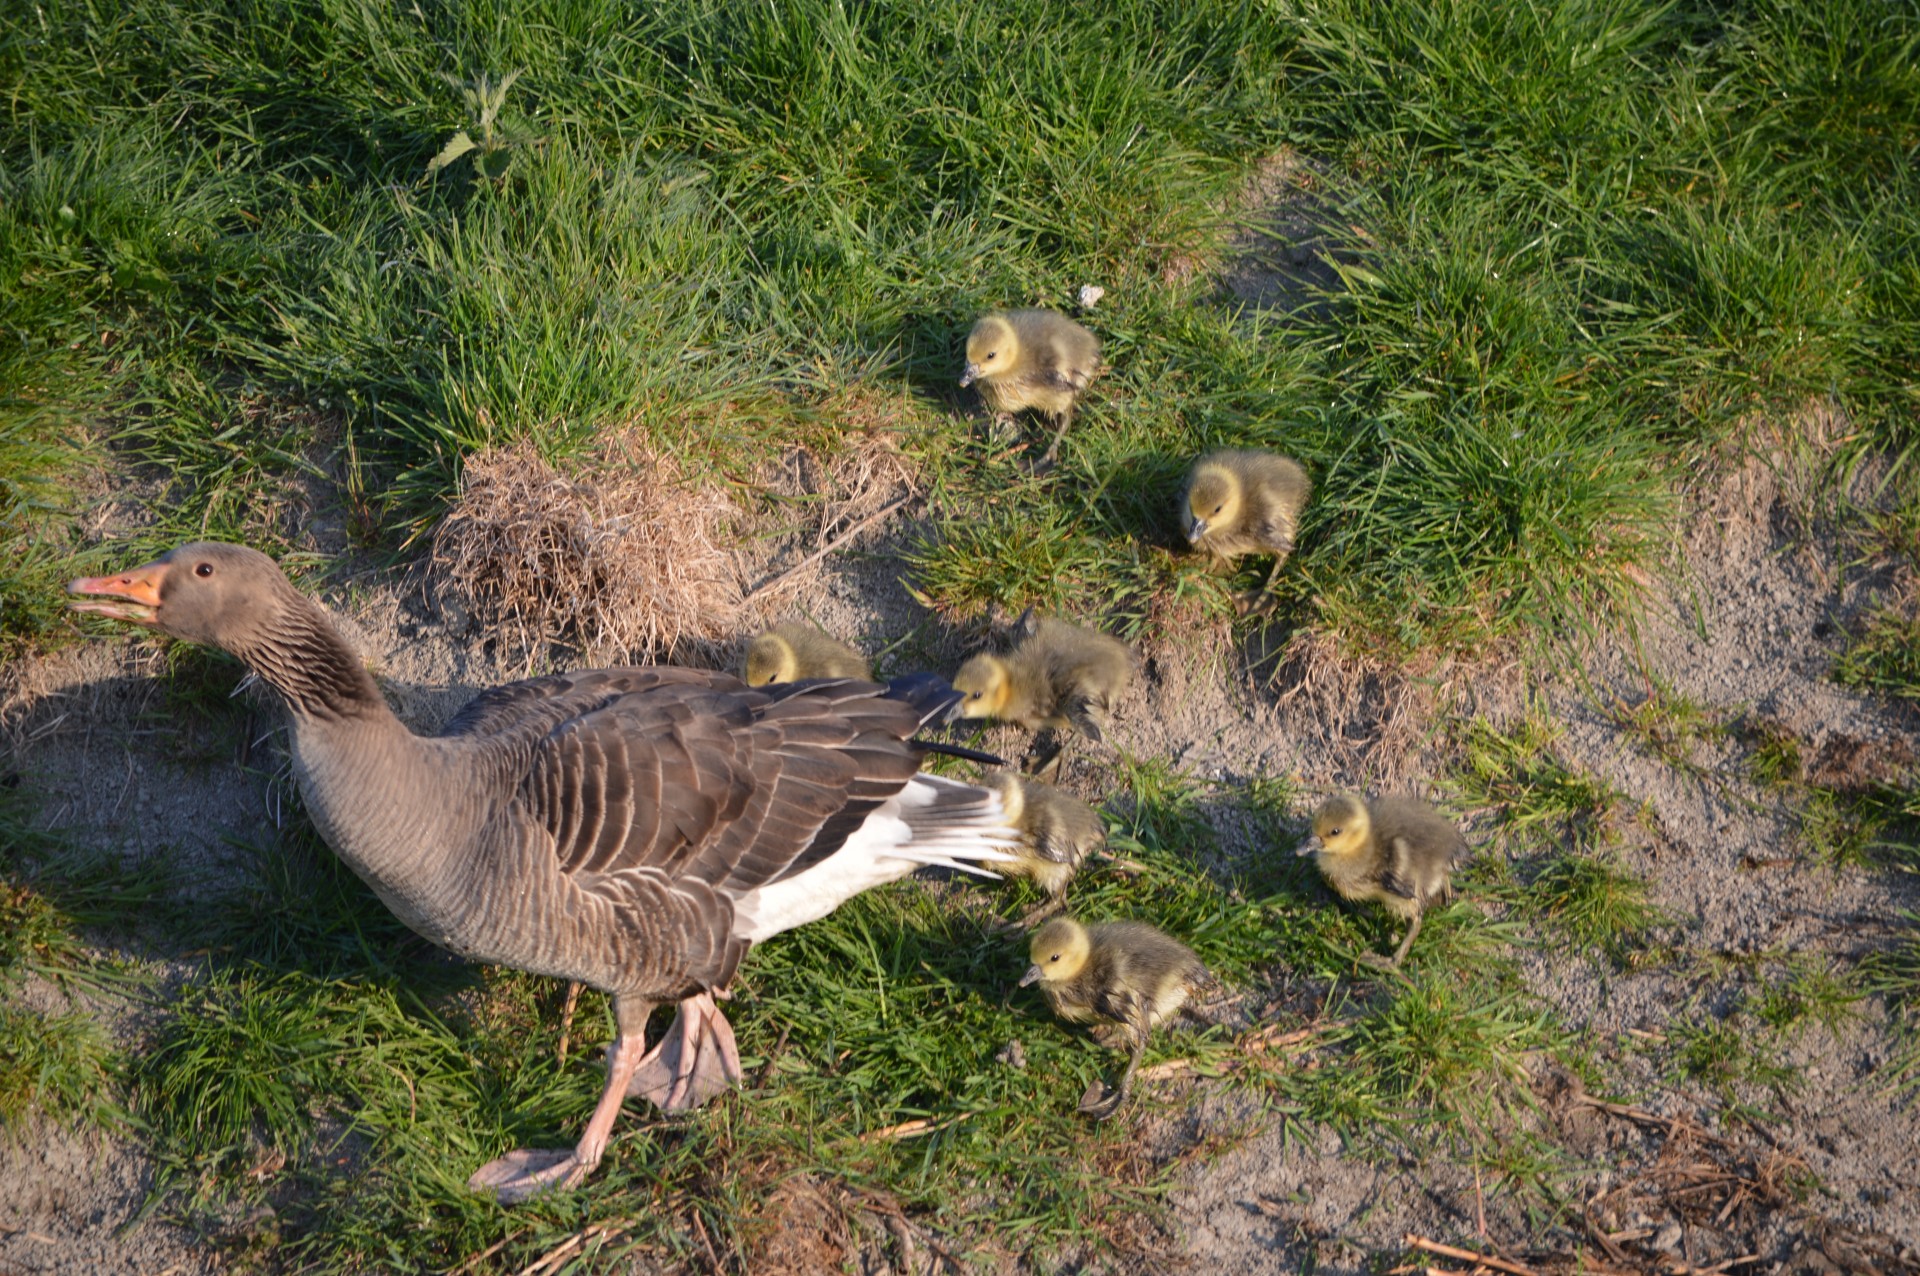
[1885, 655]
[1672, 726]
[1879, 826]
[1721, 1055]
[1810, 990]
[1576, 245]
[384, 1073]
[1893, 973]
[55, 1062]
[1595, 900]
[1775, 761]
[1580, 247]
[1536, 795]
[1565, 824]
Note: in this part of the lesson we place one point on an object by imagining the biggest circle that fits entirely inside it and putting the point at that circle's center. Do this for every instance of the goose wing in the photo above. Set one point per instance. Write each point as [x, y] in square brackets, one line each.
[700, 780]
[1401, 873]
[541, 704]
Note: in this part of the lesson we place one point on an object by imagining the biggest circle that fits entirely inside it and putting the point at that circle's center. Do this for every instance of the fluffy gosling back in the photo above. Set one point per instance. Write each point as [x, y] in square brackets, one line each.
[795, 651]
[1126, 977]
[1031, 359]
[1061, 676]
[1239, 502]
[1396, 852]
[1057, 831]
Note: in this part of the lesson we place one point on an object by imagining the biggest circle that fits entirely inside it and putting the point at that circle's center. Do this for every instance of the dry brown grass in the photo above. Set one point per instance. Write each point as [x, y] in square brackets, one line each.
[1378, 719]
[623, 561]
[828, 499]
[830, 489]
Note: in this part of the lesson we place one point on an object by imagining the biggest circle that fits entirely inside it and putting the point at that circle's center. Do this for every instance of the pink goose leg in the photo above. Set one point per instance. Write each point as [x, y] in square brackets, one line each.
[696, 1060]
[528, 1172]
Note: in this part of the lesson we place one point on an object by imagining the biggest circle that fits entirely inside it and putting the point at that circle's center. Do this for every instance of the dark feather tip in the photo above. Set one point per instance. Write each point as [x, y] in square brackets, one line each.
[959, 751]
[931, 696]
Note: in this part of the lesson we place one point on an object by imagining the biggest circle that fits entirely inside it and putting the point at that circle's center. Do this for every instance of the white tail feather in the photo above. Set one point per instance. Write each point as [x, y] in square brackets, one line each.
[932, 821]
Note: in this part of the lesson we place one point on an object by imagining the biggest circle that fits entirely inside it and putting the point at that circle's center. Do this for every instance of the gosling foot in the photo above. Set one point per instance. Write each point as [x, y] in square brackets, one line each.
[1101, 1100]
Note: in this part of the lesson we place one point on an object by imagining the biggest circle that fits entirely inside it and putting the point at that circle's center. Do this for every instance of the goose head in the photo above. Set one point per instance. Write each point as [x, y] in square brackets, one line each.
[206, 592]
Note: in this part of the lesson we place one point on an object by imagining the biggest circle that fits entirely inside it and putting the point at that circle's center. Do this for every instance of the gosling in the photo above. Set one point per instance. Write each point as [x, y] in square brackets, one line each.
[1245, 502]
[1057, 833]
[1126, 974]
[1398, 852]
[1059, 675]
[796, 651]
[1031, 359]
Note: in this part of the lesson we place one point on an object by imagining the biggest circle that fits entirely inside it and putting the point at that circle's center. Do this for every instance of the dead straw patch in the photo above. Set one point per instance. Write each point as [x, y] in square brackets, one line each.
[1378, 719]
[620, 561]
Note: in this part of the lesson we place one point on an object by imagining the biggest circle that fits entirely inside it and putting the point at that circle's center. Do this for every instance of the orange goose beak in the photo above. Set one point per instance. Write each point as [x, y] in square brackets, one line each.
[137, 593]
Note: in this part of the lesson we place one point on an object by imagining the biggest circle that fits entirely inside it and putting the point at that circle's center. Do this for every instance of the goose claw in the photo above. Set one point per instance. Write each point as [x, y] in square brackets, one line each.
[525, 1173]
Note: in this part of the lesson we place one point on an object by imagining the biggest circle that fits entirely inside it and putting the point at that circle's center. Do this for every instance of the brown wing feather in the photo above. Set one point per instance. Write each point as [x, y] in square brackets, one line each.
[544, 703]
[733, 789]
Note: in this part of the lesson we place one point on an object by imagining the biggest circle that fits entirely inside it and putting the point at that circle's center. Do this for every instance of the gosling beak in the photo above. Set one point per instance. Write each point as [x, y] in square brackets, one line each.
[1312, 846]
[1032, 976]
[1195, 530]
[137, 590]
[971, 375]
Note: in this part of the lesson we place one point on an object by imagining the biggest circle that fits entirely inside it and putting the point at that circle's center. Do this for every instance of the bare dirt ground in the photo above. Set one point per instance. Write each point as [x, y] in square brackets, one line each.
[1669, 1179]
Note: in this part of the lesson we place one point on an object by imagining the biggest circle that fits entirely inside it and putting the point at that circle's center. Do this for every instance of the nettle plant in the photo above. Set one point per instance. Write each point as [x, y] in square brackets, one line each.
[489, 141]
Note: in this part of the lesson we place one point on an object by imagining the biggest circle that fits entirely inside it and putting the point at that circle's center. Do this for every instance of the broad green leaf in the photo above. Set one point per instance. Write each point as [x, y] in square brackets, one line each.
[457, 145]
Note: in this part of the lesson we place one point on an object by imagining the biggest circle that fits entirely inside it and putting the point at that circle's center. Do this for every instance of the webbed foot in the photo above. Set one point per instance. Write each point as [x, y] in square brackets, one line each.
[528, 1172]
[1101, 1100]
[695, 1061]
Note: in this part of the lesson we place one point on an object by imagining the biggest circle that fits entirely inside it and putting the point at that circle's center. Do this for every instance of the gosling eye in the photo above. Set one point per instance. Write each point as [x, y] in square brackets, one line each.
[991, 356]
[1222, 505]
[204, 569]
[1055, 957]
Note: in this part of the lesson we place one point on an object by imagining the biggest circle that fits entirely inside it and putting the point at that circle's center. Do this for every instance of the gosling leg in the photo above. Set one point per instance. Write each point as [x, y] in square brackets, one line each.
[1099, 1102]
[1400, 955]
[1260, 601]
[1039, 913]
[1052, 454]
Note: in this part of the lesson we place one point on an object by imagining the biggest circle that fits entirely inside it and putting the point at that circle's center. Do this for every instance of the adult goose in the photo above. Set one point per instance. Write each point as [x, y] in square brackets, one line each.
[633, 829]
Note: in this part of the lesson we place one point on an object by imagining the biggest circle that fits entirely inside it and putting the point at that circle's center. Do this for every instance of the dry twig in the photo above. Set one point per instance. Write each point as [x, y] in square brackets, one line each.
[907, 1130]
[1265, 1041]
[555, 1258]
[1484, 1260]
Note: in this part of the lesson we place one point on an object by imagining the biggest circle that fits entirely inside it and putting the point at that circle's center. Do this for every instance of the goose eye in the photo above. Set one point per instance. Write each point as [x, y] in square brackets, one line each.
[992, 355]
[1333, 832]
[1219, 507]
[1055, 957]
[204, 569]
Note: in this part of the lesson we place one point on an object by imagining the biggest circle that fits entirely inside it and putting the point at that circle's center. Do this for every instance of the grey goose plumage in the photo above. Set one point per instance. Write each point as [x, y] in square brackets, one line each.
[634, 829]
